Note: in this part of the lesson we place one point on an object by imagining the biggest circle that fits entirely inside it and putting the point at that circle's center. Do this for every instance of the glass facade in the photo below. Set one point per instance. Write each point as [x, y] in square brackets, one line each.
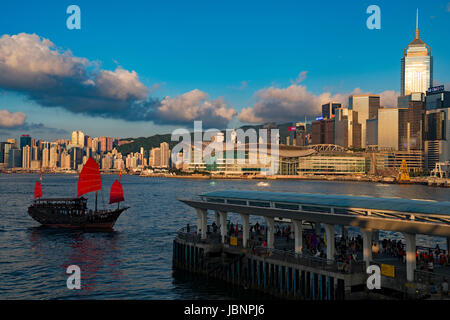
[416, 67]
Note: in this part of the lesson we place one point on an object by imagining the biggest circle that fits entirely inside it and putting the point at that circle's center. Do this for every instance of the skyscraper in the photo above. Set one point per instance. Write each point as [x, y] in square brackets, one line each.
[25, 140]
[416, 66]
[367, 107]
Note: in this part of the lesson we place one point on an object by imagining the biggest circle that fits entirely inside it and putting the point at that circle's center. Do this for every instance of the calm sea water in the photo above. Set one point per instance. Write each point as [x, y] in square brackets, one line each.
[134, 260]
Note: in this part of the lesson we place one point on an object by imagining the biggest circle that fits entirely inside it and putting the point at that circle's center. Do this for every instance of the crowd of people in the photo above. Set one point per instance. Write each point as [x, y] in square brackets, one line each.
[346, 248]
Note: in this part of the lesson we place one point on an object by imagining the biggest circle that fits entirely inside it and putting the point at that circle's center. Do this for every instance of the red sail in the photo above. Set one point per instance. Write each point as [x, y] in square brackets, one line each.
[89, 179]
[116, 194]
[37, 190]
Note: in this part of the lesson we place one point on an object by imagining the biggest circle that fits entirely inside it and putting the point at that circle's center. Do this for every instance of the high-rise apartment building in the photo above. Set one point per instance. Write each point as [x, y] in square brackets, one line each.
[165, 154]
[26, 157]
[416, 66]
[78, 139]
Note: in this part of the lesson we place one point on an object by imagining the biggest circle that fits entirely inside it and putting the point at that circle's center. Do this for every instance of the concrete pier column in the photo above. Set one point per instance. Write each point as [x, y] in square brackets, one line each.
[245, 229]
[329, 229]
[202, 222]
[217, 216]
[298, 232]
[367, 245]
[410, 255]
[223, 225]
[270, 224]
[376, 241]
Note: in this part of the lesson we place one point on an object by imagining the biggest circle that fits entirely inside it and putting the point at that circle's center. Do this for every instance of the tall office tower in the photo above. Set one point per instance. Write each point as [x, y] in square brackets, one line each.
[367, 107]
[78, 138]
[329, 109]
[26, 157]
[347, 129]
[388, 128]
[15, 158]
[165, 154]
[5, 147]
[25, 140]
[323, 132]
[437, 128]
[416, 66]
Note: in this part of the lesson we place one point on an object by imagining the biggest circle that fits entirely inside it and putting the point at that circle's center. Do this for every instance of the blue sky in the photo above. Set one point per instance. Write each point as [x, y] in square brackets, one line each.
[229, 50]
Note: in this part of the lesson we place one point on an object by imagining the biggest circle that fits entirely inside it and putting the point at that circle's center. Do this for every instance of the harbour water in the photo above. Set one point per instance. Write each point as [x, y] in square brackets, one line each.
[135, 260]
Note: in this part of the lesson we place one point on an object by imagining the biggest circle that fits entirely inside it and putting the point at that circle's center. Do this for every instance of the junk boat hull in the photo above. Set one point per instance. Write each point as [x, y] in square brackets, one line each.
[72, 213]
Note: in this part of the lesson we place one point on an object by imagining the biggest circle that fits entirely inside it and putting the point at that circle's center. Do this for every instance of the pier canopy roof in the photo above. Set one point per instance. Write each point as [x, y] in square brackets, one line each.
[428, 207]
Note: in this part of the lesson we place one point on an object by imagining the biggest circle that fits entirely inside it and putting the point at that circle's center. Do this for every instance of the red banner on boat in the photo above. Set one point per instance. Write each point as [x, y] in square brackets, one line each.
[89, 179]
[292, 128]
[37, 190]
[116, 194]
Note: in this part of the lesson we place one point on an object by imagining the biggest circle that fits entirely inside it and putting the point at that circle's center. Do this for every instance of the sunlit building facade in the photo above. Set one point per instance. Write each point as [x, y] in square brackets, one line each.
[416, 66]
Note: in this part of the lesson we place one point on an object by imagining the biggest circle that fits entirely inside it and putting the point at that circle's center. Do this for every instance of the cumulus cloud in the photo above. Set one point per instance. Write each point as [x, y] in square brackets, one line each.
[286, 104]
[11, 119]
[34, 66]
[294, 102]
[52, 77]
[194, 105]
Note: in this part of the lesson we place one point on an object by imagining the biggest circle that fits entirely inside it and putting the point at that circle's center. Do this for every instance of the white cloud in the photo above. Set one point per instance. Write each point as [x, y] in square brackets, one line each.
[295, 102]
[195, 105]
[11, 119]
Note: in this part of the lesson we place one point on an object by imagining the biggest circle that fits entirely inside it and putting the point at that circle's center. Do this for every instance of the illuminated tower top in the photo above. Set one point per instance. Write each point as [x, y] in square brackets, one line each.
[417, 65]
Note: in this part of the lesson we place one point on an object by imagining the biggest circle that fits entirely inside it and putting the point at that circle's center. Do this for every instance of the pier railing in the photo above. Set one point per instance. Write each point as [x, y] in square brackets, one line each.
[310, 261]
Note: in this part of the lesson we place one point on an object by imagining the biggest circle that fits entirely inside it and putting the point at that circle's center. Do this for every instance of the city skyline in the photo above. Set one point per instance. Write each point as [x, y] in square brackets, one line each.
[300, 86]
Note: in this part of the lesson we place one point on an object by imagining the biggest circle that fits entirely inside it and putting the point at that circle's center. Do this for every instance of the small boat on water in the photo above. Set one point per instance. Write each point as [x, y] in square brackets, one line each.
[73, 212]
[263, 184]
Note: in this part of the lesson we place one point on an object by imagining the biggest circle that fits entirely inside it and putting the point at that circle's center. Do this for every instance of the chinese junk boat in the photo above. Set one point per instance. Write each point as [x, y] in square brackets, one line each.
[73, 212]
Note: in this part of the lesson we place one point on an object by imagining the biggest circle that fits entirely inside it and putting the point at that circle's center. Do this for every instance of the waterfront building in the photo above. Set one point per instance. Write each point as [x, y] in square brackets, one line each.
[367, 107]
[389, 162]
[333, 165]
[416, 66]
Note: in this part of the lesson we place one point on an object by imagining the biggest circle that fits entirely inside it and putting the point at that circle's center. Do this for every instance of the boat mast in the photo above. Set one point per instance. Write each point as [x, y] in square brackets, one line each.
[96, 195]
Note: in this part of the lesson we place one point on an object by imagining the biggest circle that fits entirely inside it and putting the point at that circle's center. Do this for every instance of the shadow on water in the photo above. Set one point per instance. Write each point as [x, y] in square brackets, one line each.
[202, 288]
